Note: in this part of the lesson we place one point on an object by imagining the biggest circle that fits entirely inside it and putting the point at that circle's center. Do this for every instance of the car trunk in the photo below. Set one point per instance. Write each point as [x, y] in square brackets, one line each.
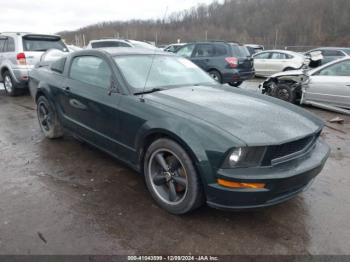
[245, 61]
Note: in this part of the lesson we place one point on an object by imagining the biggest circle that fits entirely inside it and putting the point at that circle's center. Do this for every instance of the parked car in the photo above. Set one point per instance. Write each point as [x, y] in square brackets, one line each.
[225, 62]
[173, 47]
[73, 48]
[270, 62]
[253, 49]
[103, 43]
[19, 52]
[331, 53]
[193, 139]
[328, 84]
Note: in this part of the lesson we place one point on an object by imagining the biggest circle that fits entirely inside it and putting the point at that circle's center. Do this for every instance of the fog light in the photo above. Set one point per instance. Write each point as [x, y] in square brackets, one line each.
[232, 184]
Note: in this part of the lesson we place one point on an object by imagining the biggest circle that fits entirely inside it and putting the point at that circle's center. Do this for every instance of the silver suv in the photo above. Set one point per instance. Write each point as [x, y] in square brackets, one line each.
[19, 52]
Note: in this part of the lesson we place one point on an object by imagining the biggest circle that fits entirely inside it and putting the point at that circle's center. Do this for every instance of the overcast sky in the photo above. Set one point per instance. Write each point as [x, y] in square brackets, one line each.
[46, 16]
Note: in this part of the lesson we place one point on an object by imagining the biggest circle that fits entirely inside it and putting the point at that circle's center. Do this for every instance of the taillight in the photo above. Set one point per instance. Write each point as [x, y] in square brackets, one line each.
[21, 59]
[232, 61]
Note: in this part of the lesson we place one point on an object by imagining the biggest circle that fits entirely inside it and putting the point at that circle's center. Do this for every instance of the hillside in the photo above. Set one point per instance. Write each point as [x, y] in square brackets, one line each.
[268, 22]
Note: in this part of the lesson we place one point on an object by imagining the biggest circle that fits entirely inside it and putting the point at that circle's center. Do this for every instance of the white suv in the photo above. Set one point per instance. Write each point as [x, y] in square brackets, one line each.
[19, 52]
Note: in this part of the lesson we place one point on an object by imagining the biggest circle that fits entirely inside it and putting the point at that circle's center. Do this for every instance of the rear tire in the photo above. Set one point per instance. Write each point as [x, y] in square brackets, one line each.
[171, 177]
[48, 119]
[215, 75]
[9, 84]
[236, 84]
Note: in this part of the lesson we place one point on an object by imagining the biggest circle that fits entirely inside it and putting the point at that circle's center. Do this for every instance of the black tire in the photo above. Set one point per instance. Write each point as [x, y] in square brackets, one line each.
[215, 75]
[48, 119]
[9, 84]
[188, 197]
[285, 92]
[236, 84]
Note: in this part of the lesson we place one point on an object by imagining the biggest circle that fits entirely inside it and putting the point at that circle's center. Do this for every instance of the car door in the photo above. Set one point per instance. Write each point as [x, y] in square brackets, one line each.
[261, 63]
[203, 56]
[330, 85]
[186, 51]
[278, 62]
[90, 109]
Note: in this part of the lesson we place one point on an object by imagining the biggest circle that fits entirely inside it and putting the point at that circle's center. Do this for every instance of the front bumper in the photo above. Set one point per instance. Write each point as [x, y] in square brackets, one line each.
[283, 182]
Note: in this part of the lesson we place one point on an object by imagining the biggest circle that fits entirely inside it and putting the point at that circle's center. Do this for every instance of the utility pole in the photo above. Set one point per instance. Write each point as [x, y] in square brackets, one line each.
[276, 38]
[83, 40]
[206, 35]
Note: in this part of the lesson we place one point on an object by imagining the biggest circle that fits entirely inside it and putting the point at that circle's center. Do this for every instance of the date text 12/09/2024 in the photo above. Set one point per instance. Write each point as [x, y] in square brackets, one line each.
[173, 258]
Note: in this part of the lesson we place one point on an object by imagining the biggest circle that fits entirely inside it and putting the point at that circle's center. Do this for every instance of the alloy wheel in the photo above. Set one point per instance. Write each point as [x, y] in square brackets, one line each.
[8, 84]
[214, 76]
[168, 176]
[283, 94]
[44, 116]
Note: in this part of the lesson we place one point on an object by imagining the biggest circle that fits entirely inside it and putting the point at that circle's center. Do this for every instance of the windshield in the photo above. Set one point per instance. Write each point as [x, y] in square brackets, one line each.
[347, 51]
[36, 44]
[143, 45]
[166, 71]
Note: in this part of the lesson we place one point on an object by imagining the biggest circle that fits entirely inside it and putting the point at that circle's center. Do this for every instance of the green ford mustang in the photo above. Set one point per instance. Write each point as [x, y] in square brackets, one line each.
[194, 140]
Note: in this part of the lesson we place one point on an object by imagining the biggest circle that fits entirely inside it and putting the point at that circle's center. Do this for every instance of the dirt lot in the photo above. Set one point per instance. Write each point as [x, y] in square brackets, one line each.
[64, 197]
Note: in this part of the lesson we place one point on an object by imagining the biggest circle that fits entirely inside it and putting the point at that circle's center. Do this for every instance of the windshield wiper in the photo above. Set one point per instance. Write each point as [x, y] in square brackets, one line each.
[148, 91]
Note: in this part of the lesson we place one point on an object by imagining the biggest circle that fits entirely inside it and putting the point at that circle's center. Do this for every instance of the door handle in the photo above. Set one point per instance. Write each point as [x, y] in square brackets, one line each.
[76, 104]
[67, 89]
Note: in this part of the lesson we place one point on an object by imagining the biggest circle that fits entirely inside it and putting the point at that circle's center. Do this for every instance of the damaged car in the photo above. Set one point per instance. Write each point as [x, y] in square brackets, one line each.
[194, 140]
[327, 86]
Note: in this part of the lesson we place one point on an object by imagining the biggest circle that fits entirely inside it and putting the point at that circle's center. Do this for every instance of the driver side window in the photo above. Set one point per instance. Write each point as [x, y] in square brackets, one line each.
[262, 56]
[91, 70]
[186, 51]
[339, 69]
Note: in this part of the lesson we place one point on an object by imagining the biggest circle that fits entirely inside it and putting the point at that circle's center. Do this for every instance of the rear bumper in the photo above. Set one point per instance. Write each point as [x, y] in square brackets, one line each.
[283, 182]
[21, 77]
[237, 76]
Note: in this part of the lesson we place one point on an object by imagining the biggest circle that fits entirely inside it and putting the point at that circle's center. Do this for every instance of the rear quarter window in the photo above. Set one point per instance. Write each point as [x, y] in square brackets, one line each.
[58, 66]
[221, 50]
[239, 51]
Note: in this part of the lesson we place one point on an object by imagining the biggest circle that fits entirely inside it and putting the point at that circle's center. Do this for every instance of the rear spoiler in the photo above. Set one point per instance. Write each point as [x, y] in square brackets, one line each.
[42, 37]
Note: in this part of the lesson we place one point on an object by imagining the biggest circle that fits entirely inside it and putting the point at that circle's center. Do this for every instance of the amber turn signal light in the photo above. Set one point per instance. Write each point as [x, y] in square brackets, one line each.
[232, 184]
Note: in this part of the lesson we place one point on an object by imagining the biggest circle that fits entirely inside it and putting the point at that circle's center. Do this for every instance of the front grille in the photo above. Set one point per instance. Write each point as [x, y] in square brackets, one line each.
[288, 149]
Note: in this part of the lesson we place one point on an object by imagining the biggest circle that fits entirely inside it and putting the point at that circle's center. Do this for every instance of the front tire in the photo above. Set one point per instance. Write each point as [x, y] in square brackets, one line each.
[285, 92]
[171, 177]
[9, 84]
[48, 119]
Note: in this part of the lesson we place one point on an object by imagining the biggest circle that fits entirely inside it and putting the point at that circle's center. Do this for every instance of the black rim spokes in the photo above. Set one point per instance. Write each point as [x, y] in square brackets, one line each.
[44, 116]
[168, 176]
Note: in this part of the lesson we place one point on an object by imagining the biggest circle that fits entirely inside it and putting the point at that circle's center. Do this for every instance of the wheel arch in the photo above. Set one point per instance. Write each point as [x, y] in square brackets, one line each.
[154, 134]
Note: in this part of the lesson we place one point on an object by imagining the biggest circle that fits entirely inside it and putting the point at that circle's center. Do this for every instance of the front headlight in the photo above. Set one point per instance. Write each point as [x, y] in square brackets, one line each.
[244, 157]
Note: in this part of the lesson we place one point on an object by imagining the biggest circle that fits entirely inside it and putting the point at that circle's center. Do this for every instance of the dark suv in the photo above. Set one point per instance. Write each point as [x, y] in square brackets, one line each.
[225, 62]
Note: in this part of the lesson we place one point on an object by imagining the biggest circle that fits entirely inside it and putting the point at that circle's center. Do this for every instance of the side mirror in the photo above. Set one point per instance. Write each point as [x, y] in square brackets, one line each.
[113, 87]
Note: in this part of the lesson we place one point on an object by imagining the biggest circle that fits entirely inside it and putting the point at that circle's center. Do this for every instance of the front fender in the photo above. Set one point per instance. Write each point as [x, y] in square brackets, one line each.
[206, 146]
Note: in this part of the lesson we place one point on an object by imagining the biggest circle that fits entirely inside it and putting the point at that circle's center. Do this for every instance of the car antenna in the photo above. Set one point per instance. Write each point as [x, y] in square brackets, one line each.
[153, 57]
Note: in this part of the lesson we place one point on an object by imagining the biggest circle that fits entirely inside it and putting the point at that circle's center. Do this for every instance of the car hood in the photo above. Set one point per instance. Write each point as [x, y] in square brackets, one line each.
[289, 73]
[254, 119]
